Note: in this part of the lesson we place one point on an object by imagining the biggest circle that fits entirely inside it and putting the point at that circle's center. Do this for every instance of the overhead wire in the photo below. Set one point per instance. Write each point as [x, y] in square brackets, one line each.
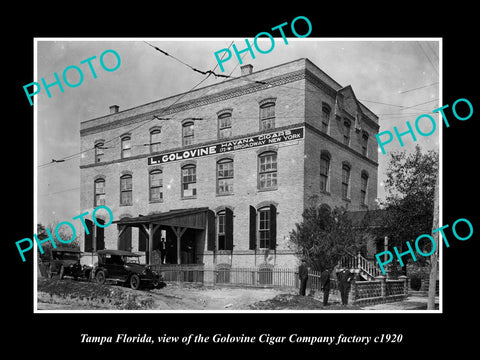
[208, 73]
[155, 117]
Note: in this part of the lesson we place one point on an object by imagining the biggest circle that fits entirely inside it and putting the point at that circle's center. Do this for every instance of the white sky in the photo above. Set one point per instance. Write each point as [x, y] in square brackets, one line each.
[379, 71]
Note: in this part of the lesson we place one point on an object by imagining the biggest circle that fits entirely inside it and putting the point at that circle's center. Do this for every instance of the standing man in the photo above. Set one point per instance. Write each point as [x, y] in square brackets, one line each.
[344, 277]
[325, 285]
[303, 275]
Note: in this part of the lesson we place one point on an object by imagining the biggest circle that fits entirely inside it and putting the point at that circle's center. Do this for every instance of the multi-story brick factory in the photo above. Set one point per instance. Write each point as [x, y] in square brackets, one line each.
[221, 174]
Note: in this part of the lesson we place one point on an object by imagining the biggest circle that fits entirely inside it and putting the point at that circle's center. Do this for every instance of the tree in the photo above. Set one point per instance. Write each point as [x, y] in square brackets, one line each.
[325, 236]
[409, 204]
[62, 232]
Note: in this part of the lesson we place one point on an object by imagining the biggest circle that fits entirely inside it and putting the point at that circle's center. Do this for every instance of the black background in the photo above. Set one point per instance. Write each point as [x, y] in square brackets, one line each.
[51, 335]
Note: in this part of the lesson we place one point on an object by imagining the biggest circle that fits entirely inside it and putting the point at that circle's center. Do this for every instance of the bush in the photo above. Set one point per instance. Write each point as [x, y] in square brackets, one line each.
[415, 283]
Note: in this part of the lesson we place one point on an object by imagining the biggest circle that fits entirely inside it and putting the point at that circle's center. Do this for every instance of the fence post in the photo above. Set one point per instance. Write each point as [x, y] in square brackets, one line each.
[405, 284]
[383, 285]
[254, 277]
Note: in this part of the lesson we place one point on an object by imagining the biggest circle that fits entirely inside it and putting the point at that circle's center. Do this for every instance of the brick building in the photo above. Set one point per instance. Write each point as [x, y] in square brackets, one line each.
[220, 175]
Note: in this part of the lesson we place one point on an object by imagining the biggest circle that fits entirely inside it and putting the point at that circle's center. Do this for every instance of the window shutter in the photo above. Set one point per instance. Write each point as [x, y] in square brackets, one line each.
[273, 226]
[89, 237]
[253, 228]
[211, 230]
[228, 229]
[142, 239]
[100, 236]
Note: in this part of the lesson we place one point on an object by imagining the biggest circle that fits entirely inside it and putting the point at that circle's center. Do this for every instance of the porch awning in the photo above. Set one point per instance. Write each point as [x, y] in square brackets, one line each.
[194, 218]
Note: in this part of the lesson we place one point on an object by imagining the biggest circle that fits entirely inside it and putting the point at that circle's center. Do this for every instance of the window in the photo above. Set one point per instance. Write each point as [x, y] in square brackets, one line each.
[156, 185]
[225, 177]
[99, 192]
[346, 132]
[221, 230]
[325, 118]
[364, 144]
[189, 181]
[126, 147]
[187, 133]
[225, 125]
[267, 170]
[99, 152]
[126, 190]
[363, 188]
[267, 116]
[264, 228]
[345, 180]
[324, 171]
[155, 140]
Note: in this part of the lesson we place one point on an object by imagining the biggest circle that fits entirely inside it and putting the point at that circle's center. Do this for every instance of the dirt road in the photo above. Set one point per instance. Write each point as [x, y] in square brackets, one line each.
[68, 294]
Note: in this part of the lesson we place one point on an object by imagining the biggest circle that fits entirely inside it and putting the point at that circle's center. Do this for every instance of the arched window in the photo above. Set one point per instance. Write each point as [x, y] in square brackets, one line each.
[363, 188]
[267, 170]
[267, 116]
[264, 226]
[364, 143]
[126, 147]
[325, 118]
[99, 192]
[156, 185]
[345, 180]
[99, 152]
[155, 140]
[324, 171]
[189, 181]
[126, 190]
[225, 176]
[225, 125]
[346, 131]
[187, 133]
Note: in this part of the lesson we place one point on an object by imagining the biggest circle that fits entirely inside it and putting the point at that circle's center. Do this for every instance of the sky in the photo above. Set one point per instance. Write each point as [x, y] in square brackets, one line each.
[397, 79]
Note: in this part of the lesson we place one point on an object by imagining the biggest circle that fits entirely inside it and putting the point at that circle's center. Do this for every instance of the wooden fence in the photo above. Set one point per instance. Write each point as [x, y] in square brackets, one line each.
[380, 290]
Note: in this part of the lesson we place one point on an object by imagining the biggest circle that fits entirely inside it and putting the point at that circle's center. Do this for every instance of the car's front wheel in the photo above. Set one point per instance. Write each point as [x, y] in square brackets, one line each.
[135, 282]
[101, 277]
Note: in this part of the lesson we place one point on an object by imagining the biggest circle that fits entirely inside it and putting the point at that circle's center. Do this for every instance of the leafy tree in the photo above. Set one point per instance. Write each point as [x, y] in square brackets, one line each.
[325, 236]
[62, 232]
[409, 204]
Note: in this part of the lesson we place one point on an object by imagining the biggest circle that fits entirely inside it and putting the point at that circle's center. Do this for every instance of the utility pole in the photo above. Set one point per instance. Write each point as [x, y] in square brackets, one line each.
[434, 258]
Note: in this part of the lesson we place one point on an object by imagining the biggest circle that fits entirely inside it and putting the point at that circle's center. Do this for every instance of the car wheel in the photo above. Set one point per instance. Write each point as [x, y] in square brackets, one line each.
[101, 277]
[62, 272]
[135, 282]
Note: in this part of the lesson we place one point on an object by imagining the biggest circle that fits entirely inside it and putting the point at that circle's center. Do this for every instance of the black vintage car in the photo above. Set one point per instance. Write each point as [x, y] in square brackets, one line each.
[124, 267]
[66, 262]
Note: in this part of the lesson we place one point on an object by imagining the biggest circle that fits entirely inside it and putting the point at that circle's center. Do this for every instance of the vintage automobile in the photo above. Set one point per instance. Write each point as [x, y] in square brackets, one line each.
[124, 267]
[66, 262]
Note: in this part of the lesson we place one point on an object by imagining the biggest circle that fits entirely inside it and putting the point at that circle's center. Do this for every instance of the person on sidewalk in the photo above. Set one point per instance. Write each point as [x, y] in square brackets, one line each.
[325, 285]
[344, 277]
[303, 275]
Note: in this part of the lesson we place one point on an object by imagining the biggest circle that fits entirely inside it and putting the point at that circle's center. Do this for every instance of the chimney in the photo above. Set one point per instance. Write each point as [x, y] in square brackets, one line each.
[113, 109]
[246, 69]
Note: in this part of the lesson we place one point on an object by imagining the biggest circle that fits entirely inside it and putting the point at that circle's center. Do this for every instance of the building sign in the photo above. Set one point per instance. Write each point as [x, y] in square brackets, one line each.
[227, 146]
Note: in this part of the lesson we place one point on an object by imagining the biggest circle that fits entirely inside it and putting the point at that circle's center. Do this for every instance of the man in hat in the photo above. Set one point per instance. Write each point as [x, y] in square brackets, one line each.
[325, 285]
[344, 277]
[303, 275]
